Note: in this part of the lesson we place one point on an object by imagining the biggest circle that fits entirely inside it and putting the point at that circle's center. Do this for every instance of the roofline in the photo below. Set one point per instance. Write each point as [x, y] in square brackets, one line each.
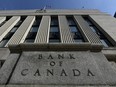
[51, 12]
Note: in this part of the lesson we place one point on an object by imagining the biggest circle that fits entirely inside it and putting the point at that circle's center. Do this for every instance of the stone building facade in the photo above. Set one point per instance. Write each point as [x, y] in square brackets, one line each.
[61, 47]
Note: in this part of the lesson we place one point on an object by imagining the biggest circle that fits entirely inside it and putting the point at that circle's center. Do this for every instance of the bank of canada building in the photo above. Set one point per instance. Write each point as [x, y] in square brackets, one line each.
[57, 47]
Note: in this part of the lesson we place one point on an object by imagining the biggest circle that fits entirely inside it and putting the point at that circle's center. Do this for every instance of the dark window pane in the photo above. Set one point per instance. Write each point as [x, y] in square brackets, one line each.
[93, 29]
[54, 21]
[54, 29]
[71, 21]
[8, 36]
[54, 40]
[3, 43]
[89, 22]
[19, 23]
[2, 23]
[29, 40]
[54, 35]
[79, 40]
[36, 22]
[77, 35]
[14, 29]
[104, 43]
[34, 29]
[73, 29]
[8, 17]
[31, 35]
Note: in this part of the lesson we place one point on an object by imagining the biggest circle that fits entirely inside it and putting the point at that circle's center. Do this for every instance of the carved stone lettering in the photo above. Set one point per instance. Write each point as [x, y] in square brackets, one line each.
[63, 73]
[50, 57]
[40, 56]
[76, 72]
[50, 72]
[89, 73]
[60, 63]
[37, 73]
[71, 56]
[52, 63]
[57, 68]
[60, 56]
[24, 72]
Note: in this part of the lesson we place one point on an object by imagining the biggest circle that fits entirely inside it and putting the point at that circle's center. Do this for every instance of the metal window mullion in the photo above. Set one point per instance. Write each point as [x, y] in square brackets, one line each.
[64, 30]
[43, 31]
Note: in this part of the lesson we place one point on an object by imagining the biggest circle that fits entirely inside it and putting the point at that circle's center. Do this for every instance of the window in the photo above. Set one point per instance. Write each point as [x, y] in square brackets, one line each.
[54, 21]
[54, 29]
[29, 40]
[2, 23]
[54, 36]
[20, 21]
[3, 42]
[37, 21]
[102, 37]
[71, 21]
[74, 30]
[33, 31]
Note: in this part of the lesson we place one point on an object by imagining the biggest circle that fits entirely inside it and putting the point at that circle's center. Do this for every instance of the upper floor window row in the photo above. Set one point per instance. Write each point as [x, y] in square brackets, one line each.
[54, 33]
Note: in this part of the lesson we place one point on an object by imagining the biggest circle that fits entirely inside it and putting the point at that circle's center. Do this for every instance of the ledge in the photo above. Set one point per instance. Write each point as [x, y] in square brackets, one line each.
[54, 47]
[110, 53]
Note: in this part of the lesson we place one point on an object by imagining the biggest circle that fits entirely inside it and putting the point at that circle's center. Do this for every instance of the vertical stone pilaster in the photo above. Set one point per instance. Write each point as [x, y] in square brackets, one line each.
[2, 19]
[43, 31]
[65, 32]
[89, 34]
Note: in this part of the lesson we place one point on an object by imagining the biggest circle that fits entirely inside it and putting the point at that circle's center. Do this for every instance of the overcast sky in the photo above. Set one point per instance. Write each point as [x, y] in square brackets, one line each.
[108, 6]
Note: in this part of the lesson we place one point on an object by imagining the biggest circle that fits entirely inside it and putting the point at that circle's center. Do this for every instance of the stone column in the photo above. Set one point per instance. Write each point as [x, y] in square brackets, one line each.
[2, 19]
[65, 32]
[43, 31]
[88, 33]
